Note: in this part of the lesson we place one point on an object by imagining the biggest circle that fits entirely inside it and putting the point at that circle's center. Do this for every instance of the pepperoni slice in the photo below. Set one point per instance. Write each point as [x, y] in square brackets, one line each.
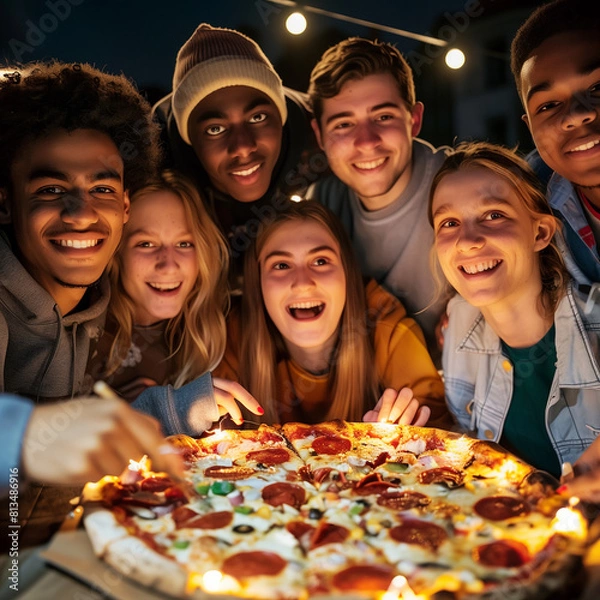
[182, 514]
[328, 533]
[372, 484]
[250, 564]
[502, 553]
[499, 508]
[232, 473]
[449, 475]
[155, 484]
[364, 578]
[269, 456]
[214, 520]
[281, 492]
[299, 528]
[420, 533]
[328, 444]
[403, 500]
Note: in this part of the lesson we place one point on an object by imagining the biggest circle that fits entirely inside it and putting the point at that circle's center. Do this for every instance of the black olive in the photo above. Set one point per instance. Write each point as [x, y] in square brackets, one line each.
[243, 529]
[365, 503]
[315, 513]
[261, 466]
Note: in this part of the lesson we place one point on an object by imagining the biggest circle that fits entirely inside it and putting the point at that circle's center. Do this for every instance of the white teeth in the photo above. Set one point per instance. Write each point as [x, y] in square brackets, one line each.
[480, 267]
[247, 172]
[164, 287]
[586, 146]
[371, 164]
[305, 305]
[78, 243]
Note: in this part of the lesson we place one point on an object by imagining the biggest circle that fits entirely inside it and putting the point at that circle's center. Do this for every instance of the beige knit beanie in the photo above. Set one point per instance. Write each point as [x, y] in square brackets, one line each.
[214, 58]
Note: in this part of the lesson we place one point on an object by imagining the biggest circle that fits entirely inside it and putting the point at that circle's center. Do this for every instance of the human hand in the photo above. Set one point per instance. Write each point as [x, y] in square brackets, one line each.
[228, 394]
[398, 407]
[84, 439]
[585, 481]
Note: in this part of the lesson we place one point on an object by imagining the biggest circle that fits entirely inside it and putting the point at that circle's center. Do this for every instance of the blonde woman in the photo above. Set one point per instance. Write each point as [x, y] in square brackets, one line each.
[166, 320]
[520, 353]
[314, 343]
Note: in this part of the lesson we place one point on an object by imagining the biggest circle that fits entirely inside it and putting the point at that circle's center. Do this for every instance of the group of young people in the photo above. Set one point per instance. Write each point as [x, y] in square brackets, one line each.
[202, 290]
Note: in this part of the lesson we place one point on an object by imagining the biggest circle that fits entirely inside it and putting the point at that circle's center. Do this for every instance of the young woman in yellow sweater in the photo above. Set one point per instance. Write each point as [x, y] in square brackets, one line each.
[312, 343]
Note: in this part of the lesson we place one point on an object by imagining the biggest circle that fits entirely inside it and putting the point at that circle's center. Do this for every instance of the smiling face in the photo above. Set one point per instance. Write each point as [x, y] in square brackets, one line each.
[159, 262]
[67, 207]
[236, 133]
[304, 286]
[561, 91]
[366, 132]
[486, 240]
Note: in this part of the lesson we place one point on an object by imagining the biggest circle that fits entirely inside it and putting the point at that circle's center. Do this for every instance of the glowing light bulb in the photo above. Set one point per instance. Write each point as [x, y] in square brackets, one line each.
[455, 58]
[296, 23]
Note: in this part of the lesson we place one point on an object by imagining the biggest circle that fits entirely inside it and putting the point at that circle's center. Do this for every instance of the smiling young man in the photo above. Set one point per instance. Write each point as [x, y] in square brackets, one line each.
[231, 125]
[366, 119]
[73, 142]
[556, 64]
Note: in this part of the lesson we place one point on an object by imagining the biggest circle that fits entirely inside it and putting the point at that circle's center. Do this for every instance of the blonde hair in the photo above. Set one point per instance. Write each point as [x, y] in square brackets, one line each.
[353, 382]
[522, 179]
[196, 336]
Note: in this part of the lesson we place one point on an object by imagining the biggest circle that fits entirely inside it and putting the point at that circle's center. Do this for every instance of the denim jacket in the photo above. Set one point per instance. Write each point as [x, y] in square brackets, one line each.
[582, 258]
[479, 378]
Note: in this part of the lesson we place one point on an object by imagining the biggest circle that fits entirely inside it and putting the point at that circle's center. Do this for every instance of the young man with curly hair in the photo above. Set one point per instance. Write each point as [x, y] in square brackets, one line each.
[556, 64]
[74, 141]
[366, 119]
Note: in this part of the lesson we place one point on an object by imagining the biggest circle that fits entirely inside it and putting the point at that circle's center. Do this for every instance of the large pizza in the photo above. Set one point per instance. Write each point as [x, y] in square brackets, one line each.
[339, 510]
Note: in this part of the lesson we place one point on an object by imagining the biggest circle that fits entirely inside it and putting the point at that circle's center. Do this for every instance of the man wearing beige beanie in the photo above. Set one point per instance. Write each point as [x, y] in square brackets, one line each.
[231, 125]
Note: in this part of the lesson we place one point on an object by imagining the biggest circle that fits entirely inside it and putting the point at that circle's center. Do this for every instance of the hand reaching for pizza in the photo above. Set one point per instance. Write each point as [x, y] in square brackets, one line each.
[228, 394]
[586, 482]
[398, 407]
[84, 439]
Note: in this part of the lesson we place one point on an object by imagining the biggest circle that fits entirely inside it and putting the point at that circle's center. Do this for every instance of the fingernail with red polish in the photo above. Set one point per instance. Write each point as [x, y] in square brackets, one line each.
[260, 410]
[562, 489]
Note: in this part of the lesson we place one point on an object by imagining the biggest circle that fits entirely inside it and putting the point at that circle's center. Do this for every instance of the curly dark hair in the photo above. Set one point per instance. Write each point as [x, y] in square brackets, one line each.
[356, 58]
[548, 20]
[39, 98]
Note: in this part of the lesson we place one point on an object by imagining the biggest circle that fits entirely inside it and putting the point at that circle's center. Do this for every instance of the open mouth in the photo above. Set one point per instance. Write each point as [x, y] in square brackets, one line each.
[305, 310]
[481, 267]
[79, 244]
[164, 287]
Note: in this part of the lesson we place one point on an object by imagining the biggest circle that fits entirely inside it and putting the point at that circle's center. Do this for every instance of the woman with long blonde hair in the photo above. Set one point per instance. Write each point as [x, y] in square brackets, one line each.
[166, 321]
[314, 342]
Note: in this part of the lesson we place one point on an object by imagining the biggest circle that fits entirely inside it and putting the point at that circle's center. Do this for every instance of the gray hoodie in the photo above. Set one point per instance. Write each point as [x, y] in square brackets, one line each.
[43, 354]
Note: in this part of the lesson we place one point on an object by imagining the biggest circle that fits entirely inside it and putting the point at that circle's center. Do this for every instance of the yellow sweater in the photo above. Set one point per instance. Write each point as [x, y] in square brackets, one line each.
[401, 360]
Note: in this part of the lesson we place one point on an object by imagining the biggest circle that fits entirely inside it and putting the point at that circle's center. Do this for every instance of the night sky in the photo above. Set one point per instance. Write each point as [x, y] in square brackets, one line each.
[141, 37]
